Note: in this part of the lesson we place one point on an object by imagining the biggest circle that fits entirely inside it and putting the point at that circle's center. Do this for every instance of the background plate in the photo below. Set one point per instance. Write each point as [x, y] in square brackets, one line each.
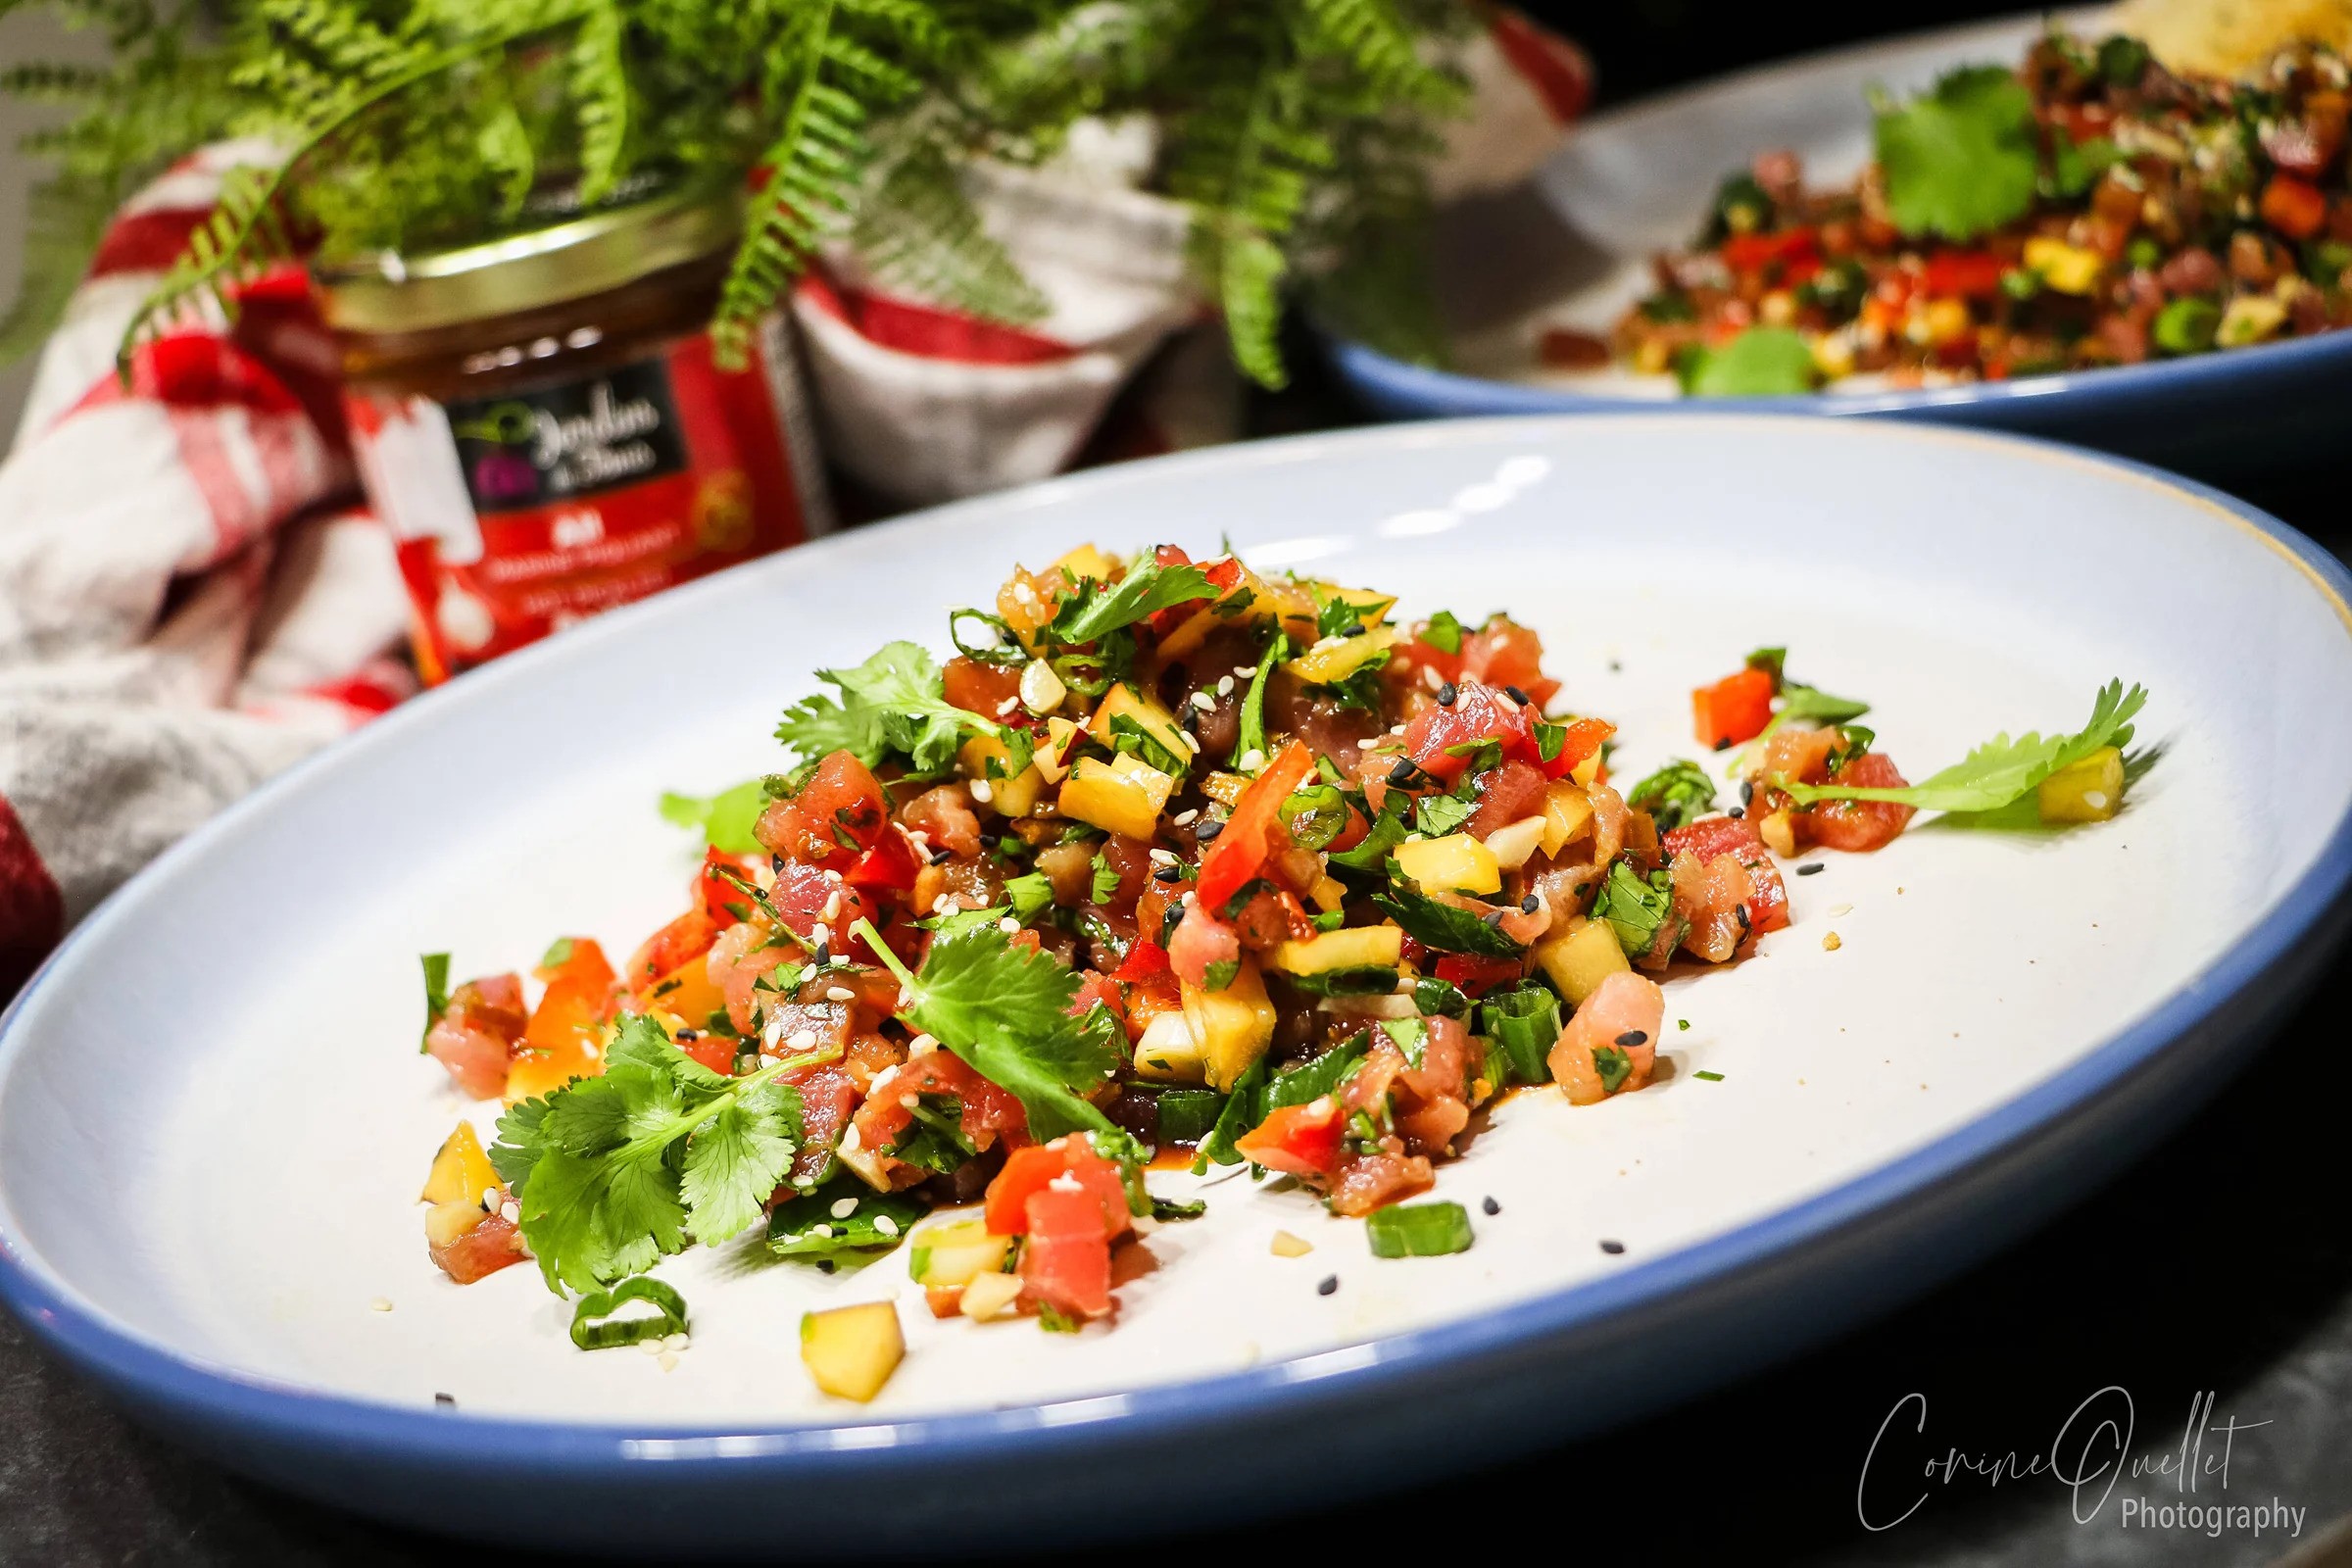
[1574, 249]
[212, 1120]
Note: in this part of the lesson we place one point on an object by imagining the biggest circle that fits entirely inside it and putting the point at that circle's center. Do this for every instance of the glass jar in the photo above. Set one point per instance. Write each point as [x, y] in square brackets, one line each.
[540, 422]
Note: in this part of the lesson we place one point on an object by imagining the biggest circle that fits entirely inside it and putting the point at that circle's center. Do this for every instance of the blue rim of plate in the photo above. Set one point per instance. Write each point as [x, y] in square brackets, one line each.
[291, 1418]
[1395, 384]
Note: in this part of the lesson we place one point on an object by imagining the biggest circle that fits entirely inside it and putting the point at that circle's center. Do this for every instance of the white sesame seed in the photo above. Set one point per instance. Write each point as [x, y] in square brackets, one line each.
[885, 1225]
[1192, 742]
[1204, 701]
[1246, 670]
[509, 1212]
[822, 935]
[839, 994]
[1185, 818]
[833, 877]
[1431, 678]
[844, 1207]
[490, 1200]
[981, 792]
[1009, 925]
[802, 1040]
[1225, 685]
[1251, 760]
[1066, 1183]
[1163, 857]
[922, 1046]
[832, 909]
[381, 1304]
[667, 1360]
[1006, 707]
[1396, 730]
[910, 1100]
[650, 1346]
[822, 1232]
[943, 903]
[1842, 908]
[677, 1341]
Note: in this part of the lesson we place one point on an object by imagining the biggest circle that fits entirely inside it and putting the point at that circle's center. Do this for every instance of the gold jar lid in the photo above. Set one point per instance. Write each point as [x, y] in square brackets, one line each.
[386, 291]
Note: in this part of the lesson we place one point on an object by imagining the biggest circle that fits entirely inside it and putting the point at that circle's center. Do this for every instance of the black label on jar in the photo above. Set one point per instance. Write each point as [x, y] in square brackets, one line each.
[601, 432]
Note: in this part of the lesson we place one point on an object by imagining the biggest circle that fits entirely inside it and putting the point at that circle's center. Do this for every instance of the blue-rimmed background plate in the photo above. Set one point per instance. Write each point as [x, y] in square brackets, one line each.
[1573, 250]
[213, 1120]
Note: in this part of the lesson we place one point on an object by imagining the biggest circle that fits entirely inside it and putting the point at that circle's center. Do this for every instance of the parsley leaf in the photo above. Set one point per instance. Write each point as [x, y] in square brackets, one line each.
[1677, 793]
[2001, 770]
[1963, 157]
[1635, 905]
[725, 820]
[436, 992]
[1006, 1011]
[610, 1173]
[1095, 612]
[1762, 361]
[892, 702]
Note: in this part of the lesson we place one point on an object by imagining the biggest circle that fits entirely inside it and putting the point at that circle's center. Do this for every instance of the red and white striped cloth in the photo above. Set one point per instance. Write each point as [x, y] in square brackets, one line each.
[192, 596]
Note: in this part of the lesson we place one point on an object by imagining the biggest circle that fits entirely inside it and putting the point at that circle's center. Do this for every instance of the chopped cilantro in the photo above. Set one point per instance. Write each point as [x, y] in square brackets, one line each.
[1096, 610]
[1761, 361]
[1106, 879]
[2001, 770]
[725, 820]
[1710, 1077]
[1614, 1067]
[436, 992]
[611, 1173]
[1439, 814]
[1635, 905]
[1444, 927]
[805, 1226]
[1674, 795]
[1963, 157]
[1443, 632]
[1028, 895]
[892, 704]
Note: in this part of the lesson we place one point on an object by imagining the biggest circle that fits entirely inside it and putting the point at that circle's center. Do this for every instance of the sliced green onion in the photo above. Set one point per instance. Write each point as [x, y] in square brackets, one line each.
[1187, 1115]
[594, 1328]
[1419, 1230]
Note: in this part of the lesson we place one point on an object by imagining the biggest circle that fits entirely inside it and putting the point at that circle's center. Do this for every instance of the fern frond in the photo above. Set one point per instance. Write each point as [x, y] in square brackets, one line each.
[1378, 43]
[599, 81]
[917, 231]
[63, 222]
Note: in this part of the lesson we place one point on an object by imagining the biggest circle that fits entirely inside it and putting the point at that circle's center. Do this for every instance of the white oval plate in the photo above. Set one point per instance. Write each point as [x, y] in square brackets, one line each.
[213, 1120]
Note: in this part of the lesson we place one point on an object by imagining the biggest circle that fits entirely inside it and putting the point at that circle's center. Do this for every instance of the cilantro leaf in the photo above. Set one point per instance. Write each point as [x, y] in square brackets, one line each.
[1443, 632]
[1441, 926]
[611, 1173]
[1635, 905]
[1106, 880]
[2001, 770]
[436, 992]
[1677, 793]
[1439, 814]
[1962, 158]
[1095, 612]
[1028, 895]
[1388, 831]
[724, 819]
[892, 702]
[805, 1226]
[1762, 361]
[1250, 735]
[1006, 1010]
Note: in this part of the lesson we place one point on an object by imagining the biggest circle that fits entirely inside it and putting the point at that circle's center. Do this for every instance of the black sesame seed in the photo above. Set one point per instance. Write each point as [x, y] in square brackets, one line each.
[1740, 910]
[824, 954]
[1612, 1248]
[447, 1402]
[1403, 771]
[1634, 1037]
[942, 852]
[1493, 917]
[684, 1035]
[1209, 830]
[1737, 811]
[1811, 867]
[1447, 694]
[1492, 1206]
[1330, 1283]
[824, 1265]
[1515, 695]
[1168, 873]
[1747, 793]
[1530, 905]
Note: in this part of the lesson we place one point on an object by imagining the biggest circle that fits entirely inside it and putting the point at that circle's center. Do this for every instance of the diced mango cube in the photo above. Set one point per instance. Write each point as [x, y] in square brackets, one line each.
[1368, 946]
[1124, 709]
[2064, 268]
[1454, 863]
[1009, 794]
[1168, 1051]
[2090, 791]
[1126, 801]
[1087, 563]
[852, 1351]
[1567, 812]
[1333, 660]
[460, 1169]
[1234, 1026]
[951, 1255]
[1580, 956]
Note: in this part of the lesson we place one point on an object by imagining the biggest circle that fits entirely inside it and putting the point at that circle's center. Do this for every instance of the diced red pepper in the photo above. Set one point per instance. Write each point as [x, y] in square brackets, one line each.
[1753, 253]
[1298, 1140]
[1962, 274]
[1734, 709]
[669, 949]
[1475, 975]
[888, 865]
[2295, 208]
[1240, 850]
[1145, 960]
[724, 902]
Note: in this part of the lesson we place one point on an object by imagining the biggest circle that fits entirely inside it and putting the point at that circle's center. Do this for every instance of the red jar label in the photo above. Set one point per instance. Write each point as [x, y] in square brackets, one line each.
[521, 513]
